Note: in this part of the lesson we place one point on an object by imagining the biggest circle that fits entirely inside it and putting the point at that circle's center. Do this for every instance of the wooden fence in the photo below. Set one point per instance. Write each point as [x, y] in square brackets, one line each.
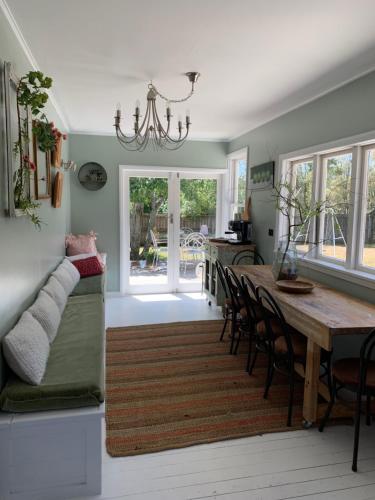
[193, 223]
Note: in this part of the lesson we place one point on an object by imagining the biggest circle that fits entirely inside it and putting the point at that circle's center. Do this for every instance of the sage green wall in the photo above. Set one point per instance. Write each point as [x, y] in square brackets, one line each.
[344, 112]
[27, 255]
[99, 210]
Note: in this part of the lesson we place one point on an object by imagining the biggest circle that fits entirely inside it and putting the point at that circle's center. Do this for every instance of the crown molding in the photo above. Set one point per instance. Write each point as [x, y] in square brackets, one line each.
[111, 134]
[303, 103]
[30, 57]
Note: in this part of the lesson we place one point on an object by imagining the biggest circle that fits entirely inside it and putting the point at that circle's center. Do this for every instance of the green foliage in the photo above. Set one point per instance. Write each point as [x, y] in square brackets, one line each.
[43, 131]
[198, 197]
[150, 191]
[31, 93]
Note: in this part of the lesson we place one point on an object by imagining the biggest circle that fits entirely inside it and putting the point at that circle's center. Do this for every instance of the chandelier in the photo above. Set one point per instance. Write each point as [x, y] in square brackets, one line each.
[150, 129]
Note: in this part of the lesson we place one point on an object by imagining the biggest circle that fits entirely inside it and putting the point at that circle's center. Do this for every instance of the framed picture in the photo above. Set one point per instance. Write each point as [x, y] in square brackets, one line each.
[262, 176]
[42, 173]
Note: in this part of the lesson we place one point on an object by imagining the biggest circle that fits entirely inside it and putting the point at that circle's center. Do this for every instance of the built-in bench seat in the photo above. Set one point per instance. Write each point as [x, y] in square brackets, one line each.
[74, 376]
[51, 434]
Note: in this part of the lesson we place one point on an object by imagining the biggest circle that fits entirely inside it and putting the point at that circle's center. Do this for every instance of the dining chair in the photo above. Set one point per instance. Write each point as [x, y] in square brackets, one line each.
[248, 257]
[358, 375]
[243, 316]
[227, 306]
[250, 298]
[284, 346]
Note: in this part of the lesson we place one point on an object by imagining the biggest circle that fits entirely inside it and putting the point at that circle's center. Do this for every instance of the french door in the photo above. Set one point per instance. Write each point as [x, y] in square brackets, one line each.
[165, 218]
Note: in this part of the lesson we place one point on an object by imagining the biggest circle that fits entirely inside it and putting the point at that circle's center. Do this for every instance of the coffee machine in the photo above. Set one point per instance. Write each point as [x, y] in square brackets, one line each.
[243, 229]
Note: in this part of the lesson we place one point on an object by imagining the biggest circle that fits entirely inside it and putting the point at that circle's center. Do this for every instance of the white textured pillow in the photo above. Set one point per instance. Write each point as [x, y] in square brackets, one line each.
[26, 349]
[46, 312]
[64, 278]
[57, 292]
[72, 270]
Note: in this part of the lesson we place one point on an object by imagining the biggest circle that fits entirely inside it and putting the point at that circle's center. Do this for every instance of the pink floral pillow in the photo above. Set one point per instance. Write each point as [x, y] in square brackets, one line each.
[80, 243]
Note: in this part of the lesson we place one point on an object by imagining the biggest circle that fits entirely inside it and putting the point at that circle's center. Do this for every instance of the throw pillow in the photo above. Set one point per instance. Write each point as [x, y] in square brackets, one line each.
[46, 312]
[80, 243]
[81, 256]
[64, 278]
[26, 349]
[88, 267]
[72, 270]
[57, 292]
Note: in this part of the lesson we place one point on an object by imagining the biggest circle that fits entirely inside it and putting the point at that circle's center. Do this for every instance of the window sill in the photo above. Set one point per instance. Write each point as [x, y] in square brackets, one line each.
[360, 278]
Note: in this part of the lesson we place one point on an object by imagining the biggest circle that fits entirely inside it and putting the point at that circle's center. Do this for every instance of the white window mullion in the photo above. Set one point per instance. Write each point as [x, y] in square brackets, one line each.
[322, 182]
[315, 197]
[352, 243]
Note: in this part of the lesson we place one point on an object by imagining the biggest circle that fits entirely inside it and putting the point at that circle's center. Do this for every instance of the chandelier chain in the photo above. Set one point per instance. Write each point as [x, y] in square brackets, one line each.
[151, 85]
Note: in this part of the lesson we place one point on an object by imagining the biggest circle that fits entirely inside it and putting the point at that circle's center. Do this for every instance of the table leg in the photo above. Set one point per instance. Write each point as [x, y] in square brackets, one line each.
[310, 397]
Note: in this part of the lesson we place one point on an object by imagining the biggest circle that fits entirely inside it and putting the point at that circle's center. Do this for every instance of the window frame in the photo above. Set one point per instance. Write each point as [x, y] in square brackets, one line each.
[232, 160]
[352, 269]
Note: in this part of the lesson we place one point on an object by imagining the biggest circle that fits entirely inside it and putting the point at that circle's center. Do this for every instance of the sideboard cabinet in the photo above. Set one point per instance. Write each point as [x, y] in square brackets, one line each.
[225, 252]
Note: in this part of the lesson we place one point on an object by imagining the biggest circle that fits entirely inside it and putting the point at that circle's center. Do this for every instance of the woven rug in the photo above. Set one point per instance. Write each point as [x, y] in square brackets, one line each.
[175, 385]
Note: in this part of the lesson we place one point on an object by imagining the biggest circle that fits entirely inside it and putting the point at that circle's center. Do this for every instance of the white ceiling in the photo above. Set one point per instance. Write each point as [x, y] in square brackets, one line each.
[258, 58]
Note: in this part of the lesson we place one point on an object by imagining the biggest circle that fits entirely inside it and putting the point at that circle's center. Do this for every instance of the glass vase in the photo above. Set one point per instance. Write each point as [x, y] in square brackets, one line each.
[285, 261]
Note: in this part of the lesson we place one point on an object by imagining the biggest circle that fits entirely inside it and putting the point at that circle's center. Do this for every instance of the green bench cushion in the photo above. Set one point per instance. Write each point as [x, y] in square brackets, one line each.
[92, 284]
[75, 371]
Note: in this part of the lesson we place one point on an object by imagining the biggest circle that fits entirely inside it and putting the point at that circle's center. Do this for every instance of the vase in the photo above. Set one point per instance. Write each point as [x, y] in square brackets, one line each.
[285, 261]
[18, 212]
[56, 153]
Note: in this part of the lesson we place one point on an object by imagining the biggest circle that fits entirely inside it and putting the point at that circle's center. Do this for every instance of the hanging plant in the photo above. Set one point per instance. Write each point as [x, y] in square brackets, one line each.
[31, 96]
[48, 136]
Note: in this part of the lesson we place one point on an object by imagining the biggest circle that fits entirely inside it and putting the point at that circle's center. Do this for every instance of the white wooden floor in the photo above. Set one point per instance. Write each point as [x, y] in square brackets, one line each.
[300, 465]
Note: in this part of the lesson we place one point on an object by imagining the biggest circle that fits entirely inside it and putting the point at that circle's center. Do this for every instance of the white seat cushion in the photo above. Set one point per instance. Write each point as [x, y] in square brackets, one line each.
[26, 349]
[57, 292]
[46, 312]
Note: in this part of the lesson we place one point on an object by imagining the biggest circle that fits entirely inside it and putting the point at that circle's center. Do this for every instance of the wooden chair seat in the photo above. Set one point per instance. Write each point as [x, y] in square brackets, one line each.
[346, 371]
[299, 345]
[275, 326]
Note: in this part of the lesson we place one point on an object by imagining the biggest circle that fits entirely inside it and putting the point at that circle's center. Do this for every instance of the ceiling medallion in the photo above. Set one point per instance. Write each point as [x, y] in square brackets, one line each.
[151, 129]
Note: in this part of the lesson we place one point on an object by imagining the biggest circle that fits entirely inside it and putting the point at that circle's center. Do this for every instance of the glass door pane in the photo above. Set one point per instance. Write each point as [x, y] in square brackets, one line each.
[197, 223]
[148, 224]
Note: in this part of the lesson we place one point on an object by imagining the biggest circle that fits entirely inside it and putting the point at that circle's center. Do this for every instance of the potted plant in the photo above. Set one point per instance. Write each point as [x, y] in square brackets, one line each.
[298, 212]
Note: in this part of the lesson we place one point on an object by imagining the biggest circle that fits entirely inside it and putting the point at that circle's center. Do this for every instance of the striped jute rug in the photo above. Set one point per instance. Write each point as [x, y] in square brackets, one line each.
[175, 385]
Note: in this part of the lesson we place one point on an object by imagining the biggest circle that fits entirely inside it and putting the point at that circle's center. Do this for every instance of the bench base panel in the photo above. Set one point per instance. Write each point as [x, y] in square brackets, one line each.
[51, 455]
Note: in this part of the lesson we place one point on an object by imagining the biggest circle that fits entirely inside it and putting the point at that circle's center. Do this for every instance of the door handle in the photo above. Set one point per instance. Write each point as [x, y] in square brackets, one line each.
[171, 218]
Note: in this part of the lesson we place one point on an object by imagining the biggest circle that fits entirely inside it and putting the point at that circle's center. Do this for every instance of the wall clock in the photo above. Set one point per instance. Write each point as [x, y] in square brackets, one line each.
[92, 176]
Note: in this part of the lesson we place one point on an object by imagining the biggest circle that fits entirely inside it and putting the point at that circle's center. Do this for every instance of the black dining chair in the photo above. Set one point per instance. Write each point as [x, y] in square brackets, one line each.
[249, 256]
[228, 305]
[255, 314]
[356, 374]
[284, 346]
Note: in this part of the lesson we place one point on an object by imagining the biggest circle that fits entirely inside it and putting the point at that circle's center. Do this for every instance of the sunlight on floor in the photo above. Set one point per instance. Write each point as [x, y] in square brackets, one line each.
[157, 297]
[195, 296]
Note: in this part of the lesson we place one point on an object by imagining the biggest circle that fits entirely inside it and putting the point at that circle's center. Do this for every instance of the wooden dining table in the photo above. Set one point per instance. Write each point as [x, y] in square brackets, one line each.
[319, 316]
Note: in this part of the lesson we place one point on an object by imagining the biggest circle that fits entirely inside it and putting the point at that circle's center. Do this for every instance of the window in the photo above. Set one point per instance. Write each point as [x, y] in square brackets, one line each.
[367, 251]
[341, 238]
[334, 221]
[302, 186]
[238, 180]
